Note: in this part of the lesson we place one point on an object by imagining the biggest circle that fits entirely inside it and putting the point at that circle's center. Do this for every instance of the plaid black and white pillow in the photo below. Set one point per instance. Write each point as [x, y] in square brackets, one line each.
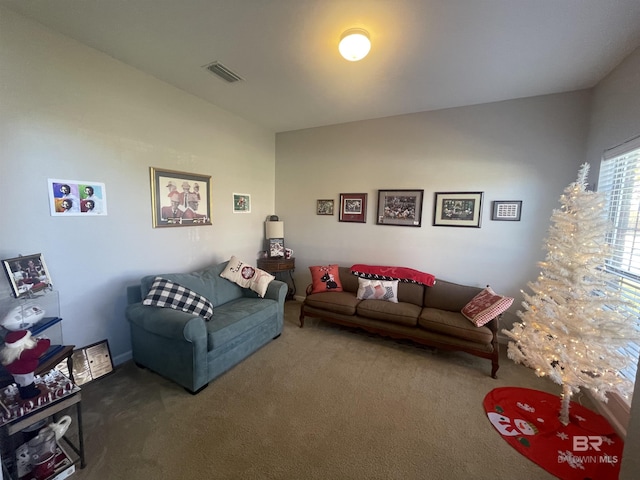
[165, 293]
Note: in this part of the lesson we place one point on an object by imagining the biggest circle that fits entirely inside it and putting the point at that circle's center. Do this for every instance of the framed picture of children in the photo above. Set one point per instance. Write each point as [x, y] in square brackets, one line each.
[180, 199]
[27, 274]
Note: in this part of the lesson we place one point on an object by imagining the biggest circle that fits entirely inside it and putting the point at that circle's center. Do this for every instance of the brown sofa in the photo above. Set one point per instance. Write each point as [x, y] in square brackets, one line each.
[426, 315]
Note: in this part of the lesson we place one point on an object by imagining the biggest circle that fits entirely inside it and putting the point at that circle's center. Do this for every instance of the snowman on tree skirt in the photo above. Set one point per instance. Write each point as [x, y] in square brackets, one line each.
[20, 355]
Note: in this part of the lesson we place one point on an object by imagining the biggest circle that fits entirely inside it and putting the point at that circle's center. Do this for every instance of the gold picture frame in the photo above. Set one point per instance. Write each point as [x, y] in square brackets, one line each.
[180, 199]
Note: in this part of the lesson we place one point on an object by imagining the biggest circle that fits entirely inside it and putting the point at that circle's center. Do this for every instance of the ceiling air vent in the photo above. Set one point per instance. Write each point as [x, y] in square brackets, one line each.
[223, 72]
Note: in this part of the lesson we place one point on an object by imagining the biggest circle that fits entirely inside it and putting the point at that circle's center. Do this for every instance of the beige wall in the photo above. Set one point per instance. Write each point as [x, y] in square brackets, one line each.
[70, 112]
[527, 149]
[615, 117]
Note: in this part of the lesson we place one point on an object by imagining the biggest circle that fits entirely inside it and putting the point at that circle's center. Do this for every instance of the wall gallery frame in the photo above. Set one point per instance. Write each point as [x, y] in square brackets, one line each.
[506, 210]
[400, 207]
[241, 203]
[457, 209]
[180, 199]
[353, 207]
[27, 274]
[324, 207]
[76, 197]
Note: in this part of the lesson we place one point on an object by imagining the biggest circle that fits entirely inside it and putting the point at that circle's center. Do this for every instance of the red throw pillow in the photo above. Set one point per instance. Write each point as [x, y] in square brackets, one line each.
[325, 279]
[486, 306]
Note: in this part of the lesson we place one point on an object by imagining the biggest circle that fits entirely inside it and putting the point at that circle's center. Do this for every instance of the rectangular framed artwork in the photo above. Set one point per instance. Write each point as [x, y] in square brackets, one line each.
[400, 207]
[506, 210]
[27, 274]
[353, 207]
[77, 197]
[457, 209]
[241, 203]
[276, 247]
[180, 199]
[324, 207]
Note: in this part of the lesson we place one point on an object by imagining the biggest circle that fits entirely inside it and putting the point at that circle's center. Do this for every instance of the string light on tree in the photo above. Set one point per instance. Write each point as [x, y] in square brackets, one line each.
[573, 327]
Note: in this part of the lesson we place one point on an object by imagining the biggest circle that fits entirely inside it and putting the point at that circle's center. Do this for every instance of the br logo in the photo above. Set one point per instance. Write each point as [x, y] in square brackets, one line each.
[584, 443]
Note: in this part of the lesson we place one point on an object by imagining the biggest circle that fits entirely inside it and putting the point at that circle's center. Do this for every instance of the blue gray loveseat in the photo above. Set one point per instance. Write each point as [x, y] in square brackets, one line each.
[187, 349]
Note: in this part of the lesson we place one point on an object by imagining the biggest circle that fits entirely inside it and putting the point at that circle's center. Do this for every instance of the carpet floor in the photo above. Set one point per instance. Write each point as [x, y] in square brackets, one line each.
[321, 402]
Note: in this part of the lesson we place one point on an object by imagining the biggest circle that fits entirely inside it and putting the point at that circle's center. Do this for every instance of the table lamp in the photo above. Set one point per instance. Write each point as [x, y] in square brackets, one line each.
[274, 233]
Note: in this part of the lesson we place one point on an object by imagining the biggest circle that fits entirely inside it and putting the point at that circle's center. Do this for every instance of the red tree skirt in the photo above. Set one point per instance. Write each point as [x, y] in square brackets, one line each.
[587, 448]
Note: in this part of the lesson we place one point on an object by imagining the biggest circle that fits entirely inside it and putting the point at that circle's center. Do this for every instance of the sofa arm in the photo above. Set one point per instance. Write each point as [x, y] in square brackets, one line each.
[167, 322]
[277, 291]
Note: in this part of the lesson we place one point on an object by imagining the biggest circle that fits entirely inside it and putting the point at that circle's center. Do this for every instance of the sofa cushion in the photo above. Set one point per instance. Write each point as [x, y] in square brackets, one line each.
[237, 317]
[453, 324]
[337, 302]
[449, 296]
[325, 278]
[165, 293]
[386, 290]
[401, 313]
[348, 279]
[243, 274]
[485, 306]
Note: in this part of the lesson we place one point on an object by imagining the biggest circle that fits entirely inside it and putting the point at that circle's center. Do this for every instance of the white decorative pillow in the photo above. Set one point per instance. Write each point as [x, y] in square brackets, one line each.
[486, 306]
[247, 276]
[165, 293]
[378, 290]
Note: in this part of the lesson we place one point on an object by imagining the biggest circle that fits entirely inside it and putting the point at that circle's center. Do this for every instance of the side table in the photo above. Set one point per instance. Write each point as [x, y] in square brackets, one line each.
[16, 414]
[280, 265]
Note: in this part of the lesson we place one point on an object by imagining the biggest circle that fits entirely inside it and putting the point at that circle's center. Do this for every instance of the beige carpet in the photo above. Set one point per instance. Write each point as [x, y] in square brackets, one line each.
[322, 402]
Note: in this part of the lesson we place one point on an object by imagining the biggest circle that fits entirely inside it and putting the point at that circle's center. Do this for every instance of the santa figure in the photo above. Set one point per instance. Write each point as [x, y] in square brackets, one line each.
[20, 355]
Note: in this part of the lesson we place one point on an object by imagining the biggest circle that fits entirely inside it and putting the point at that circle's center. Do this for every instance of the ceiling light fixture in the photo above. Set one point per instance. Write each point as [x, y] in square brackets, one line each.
[354, 44]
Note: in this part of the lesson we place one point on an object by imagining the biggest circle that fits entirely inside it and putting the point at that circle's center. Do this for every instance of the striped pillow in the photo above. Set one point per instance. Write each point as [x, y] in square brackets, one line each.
[486, 306]
[165, 293]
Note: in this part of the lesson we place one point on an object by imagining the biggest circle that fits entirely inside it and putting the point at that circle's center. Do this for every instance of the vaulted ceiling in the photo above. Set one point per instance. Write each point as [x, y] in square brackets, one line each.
[425, 55]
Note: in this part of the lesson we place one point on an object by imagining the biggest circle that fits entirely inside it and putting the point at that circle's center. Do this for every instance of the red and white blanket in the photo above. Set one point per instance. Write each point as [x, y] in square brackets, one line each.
[403, 274]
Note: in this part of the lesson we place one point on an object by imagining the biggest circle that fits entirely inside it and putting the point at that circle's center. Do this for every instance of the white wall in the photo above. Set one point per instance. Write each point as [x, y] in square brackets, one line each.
[615, 117]
[528, 149]
[70, 112]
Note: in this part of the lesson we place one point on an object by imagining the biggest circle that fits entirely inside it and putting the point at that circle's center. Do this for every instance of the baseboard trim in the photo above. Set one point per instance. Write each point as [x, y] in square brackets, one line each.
[616, 411]
[124, 357]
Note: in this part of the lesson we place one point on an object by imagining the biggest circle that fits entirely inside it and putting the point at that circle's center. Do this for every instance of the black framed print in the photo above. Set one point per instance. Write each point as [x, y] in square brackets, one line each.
[400, 207]
[276, 247]
[457, 209]
[506, 210]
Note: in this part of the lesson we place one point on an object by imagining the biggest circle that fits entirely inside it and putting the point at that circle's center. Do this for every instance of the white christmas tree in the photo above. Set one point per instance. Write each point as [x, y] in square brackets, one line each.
[574, 327]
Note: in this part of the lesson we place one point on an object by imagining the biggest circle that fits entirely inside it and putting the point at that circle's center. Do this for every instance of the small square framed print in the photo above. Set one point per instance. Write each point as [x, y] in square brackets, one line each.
[506, 210]
[324, 207]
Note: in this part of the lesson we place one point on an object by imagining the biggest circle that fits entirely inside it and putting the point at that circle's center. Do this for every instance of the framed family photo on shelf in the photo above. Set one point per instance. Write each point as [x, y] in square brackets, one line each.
[457, 209]
[276, 247]
[27, 274]
[353, 207]
[400, 207]
[180, 199]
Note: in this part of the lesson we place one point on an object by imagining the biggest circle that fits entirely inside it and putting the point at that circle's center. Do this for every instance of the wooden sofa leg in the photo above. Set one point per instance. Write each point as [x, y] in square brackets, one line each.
[301, 317]
[494, 368]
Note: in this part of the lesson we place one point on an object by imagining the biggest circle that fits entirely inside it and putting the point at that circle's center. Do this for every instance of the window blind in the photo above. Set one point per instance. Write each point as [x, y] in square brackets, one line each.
[620, 181]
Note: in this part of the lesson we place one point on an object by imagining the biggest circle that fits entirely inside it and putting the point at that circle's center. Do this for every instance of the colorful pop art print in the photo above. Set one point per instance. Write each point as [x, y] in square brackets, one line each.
[77, 198]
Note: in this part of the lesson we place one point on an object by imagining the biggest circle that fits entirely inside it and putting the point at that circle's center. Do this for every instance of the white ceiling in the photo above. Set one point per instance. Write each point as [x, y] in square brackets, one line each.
[425, 54]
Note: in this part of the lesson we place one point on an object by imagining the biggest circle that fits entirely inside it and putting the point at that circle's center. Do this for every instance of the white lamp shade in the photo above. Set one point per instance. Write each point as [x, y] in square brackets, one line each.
[354, 44]
[274, 229]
